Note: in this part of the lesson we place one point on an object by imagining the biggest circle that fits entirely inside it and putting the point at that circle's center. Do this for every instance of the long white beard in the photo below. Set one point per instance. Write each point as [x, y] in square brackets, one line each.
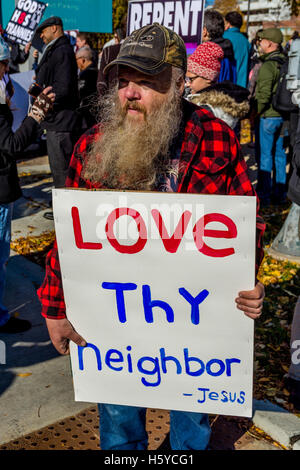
[130, 154]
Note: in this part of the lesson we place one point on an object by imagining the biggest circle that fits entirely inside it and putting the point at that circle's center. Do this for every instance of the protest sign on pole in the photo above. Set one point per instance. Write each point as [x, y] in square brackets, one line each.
[24, 20]
[150, 281]
[94, 16]
[185, 17]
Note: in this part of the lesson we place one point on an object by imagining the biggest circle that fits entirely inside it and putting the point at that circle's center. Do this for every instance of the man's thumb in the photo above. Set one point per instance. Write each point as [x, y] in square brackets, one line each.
[76, 338]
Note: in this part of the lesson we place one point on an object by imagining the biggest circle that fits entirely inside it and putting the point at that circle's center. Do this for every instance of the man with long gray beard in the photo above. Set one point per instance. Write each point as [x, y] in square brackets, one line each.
[151, 139]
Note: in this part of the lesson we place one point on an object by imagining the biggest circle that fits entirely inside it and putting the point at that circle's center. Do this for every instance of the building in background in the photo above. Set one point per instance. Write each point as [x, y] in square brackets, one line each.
[269, 13]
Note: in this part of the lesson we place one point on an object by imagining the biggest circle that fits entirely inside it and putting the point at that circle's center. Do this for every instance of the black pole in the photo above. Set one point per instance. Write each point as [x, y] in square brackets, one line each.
[248, 14]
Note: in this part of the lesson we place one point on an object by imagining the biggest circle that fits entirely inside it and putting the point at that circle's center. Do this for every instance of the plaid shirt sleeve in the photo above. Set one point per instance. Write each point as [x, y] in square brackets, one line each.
[51, 293]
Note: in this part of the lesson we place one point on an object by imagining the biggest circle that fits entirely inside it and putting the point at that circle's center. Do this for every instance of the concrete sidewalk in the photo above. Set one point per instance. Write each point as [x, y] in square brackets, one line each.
[35, 382]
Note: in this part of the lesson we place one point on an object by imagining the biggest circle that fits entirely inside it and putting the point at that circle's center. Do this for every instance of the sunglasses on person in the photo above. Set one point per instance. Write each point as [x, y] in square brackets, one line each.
[191, 79]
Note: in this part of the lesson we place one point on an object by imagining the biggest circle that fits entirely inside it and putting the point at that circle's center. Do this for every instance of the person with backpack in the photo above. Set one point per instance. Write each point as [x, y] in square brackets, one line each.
[213, 30]
[270, 120]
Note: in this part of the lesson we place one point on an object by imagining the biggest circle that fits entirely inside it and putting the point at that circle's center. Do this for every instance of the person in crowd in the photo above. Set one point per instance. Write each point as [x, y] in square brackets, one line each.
[82, 40]
[109, 52]
[148, 137]
[292, 378]
[254, 56]
[11, 144]
[240, 44]
[270, 123]
[226, 100]
[58, 68]
[255, 64]
[18, 55]
[287, 47]
[35, 56]
[87, 85]
[213, 30]
[118, 38]
[107, 81]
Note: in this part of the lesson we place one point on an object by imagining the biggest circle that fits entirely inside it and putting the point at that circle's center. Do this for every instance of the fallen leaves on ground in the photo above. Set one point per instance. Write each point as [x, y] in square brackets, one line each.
[245, 133]
[34, 247]
[275, 271]
[272, 331]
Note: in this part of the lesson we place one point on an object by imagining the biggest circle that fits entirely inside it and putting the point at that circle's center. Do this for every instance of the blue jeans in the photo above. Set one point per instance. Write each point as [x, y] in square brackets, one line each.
[5, 236]
[123, 428]
[271, 148]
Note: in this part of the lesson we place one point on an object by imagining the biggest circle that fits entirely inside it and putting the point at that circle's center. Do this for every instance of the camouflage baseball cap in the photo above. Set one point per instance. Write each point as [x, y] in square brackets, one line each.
[272, 34]
[150, 49]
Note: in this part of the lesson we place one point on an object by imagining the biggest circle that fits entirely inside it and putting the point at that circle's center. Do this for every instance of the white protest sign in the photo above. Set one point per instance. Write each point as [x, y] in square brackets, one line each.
[185, 17]
[24, 20]
[150, 281]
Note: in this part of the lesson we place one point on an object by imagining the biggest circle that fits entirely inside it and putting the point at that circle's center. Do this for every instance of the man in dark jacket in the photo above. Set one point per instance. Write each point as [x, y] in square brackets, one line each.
[58, 69]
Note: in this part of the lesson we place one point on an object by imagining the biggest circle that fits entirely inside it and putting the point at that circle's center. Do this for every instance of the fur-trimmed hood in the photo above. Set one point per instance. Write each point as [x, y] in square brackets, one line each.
[230, 104]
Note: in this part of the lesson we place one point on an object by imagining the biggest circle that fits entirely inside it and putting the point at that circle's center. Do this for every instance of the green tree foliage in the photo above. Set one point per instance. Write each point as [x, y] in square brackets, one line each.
[119, 13]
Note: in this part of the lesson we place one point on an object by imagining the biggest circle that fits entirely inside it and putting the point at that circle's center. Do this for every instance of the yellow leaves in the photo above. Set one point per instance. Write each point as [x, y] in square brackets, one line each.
[245, 134]
[28, 245]
[26, 374]
[274, 271]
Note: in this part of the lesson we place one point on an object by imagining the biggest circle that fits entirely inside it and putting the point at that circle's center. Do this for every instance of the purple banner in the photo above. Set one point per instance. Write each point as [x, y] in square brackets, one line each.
[185, 17]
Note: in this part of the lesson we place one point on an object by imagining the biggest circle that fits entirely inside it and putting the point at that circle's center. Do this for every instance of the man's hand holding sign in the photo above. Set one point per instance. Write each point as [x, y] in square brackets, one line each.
[62, 332]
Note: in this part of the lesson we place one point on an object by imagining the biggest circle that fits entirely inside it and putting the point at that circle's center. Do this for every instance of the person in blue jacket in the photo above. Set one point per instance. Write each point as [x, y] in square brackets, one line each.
[241, 46]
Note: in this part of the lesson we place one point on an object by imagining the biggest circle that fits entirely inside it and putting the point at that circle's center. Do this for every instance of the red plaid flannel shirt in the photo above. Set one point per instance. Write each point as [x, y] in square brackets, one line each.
[210, 163]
